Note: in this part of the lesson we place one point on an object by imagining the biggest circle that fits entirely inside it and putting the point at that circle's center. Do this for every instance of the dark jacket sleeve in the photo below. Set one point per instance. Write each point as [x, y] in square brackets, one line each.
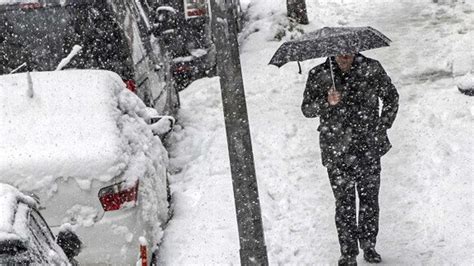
[314, 99]
[389, 96]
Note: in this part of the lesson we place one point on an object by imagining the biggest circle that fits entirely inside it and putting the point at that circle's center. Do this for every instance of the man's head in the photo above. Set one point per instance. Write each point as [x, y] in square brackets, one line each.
[345, 62]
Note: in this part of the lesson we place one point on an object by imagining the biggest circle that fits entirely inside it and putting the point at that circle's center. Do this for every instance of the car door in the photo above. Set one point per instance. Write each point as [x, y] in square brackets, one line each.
[150, 72]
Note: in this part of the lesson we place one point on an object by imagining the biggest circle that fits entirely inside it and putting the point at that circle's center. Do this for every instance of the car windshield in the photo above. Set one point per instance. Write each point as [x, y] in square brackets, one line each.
[41, 36]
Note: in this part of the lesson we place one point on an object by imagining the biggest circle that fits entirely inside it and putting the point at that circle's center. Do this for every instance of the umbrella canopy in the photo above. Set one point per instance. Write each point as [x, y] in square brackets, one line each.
[329, 41]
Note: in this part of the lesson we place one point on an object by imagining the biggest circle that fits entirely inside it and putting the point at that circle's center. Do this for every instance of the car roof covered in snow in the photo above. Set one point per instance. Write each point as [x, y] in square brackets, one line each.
[7, 5]
[59, 124]
[47, 2]
[13, 213]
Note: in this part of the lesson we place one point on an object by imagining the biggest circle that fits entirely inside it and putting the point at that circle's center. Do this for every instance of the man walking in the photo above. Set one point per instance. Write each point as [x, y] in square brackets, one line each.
[353, 137]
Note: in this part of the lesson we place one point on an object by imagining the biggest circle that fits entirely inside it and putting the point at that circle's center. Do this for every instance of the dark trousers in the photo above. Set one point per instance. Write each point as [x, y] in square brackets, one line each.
[362, 175]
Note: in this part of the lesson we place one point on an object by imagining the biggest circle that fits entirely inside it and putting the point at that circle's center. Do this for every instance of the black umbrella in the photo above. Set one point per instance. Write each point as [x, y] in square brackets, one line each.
[329, 41]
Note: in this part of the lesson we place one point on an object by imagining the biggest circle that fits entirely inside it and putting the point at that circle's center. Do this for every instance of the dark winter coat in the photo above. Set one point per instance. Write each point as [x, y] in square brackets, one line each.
[352, 128]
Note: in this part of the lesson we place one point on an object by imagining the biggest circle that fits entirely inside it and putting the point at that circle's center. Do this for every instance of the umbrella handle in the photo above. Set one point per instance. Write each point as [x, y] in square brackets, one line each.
[299, 67]
[332, 74]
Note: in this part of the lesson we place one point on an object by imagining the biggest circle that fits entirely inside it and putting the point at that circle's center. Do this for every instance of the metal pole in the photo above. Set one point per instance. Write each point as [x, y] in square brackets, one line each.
[249, 219]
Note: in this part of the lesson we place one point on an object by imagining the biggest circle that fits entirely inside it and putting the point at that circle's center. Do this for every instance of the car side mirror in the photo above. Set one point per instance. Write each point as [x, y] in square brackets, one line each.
[161, 125]
[69, 242]
[148, 113]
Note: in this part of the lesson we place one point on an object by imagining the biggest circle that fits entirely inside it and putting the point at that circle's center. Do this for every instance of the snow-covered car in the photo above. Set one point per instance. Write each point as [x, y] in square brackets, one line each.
[80, 141]
[114, 35]
[25, 237]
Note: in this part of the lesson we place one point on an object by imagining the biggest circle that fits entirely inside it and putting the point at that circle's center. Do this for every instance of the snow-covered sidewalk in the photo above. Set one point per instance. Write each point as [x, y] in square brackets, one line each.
[426, 191]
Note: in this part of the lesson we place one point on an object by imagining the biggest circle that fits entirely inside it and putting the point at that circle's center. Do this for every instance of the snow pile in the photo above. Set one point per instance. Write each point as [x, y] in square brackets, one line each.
[452, 29]
[267, 19]
[12, 225]
[163, 126]
[203, 229]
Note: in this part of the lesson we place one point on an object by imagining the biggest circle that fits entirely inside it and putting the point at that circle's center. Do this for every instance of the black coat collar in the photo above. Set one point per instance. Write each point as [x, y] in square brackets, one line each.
[358, 59]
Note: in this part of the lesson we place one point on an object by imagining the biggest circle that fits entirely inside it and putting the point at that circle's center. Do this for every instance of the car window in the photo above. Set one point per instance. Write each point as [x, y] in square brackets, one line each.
[42, 224]
[103, 41]
[22, 252]
[42, 37]
[35, 37]
[43, 236]
[38, 231]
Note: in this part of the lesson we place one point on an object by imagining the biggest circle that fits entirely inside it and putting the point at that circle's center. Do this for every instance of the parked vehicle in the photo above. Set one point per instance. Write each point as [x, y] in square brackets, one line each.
[25, 237]
[187, 22]
[91, 156]
[114, 35]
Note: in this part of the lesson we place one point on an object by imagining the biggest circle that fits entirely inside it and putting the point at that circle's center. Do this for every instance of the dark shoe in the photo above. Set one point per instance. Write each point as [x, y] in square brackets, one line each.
[347, 261]
[371, 256]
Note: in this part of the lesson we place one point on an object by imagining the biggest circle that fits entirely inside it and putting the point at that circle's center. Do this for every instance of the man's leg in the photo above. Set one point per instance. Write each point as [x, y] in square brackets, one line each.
[368, 186]
[343, 187]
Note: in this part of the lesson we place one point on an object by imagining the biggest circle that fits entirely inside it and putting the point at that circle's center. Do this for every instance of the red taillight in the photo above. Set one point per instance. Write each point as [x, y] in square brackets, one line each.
[131, 85]
[196, 12]
[182, 69]
[115, 196]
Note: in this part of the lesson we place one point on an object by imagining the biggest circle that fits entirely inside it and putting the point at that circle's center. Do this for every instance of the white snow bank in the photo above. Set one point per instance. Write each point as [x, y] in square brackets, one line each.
[264, 18]
[163, 126]
[203, 229]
